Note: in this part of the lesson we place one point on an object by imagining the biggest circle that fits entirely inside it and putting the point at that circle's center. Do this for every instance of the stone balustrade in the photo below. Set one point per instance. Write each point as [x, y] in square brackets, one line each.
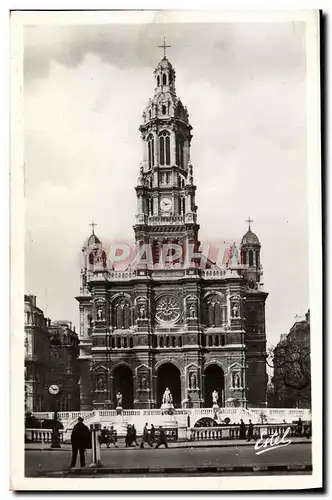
[41, 435]
[233, 431]
[122, 275]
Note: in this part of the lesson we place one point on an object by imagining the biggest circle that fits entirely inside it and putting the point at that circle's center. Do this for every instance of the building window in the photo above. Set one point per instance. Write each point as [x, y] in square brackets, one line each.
[113, 342]
[223, 340]
[167, 341]
[161, 342]
[251, 258]
[151, 150]
[164, 79]
[179, 150]
[164, 148]
[118, 342]
[122, 314]
[182, 205]
[125, 343]
[216, 341]
[210, 341]
[158, 80]
[173, 342]
[180, 341]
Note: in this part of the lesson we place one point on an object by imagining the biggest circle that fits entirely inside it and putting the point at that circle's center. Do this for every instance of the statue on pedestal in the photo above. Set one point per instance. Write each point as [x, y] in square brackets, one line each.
[119, 400]
[215, 397]
[167, 396]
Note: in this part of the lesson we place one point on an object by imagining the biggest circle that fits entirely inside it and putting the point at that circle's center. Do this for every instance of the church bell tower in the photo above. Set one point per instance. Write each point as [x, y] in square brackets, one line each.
[166, 210]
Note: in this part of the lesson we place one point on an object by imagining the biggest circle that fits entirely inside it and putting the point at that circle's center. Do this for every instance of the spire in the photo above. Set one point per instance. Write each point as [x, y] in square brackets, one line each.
[249, 220]
[93, 224]
[164, 46]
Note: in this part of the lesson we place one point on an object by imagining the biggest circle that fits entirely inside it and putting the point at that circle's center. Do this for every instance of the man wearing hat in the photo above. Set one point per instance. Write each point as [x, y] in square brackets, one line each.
[80, 440]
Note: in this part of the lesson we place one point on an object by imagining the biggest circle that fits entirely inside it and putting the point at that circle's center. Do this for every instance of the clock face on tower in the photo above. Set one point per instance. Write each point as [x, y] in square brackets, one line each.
[166, 204]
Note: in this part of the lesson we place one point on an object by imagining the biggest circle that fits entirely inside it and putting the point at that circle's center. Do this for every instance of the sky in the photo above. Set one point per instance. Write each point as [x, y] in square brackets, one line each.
[85, 88]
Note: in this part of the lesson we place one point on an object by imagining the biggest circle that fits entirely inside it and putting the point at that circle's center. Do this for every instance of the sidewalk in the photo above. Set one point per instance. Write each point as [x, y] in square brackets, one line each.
[178, 444]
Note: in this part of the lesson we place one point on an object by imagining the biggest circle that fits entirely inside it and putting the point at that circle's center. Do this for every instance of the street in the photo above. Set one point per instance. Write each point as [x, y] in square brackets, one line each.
[45, 461]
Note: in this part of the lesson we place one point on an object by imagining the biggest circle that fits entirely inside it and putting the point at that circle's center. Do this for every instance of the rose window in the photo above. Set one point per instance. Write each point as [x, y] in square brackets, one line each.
[167, 309]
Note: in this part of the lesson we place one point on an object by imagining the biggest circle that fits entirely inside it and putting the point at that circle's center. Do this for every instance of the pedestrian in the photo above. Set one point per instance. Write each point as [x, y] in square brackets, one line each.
[162, 438]
[250, 430]
[80, 440]
[134, 435]
[104, 437]
[242, 429]
[145, 436]
[112, 438]
[152, 435]
[299, 427]
[128, 436]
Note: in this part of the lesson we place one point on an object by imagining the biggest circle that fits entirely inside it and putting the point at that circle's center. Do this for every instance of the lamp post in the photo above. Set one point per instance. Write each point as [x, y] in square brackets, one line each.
[54, 390]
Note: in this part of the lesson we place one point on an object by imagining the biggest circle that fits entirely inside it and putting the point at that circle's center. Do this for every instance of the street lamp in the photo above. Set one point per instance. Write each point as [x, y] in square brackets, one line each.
[54, 390]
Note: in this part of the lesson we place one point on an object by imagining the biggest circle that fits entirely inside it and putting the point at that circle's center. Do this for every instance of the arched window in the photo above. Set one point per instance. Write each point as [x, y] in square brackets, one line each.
[164, 79]
[173, 342]
[244, 256]
[126, 316]
[180, 341]
[251, 258]
[151, 151]
[131, 342]
[164, 148]
[214, 311]
[158, 80]
[118, 342]
[167, 341]
[163, 109]
[257, 258]
[223, 340]
[182, 206]
[210, 341]
[125, 342]
[122, 314]
[216, 341]
[179, 150]
[161, 342]
[113, 343]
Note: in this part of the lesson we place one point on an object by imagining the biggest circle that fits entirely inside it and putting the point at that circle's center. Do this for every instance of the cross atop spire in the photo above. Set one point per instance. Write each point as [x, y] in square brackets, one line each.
[249, 220]
[164, 46]
[93, 224]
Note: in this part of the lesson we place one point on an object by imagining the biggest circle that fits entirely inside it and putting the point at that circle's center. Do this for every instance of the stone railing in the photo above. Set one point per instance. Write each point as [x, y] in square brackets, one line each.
[122, 275]
[233, 431]
[41, 435]
[165, 220]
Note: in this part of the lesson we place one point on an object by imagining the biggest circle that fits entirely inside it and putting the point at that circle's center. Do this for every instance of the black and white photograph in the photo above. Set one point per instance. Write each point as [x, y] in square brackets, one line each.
[166, 250]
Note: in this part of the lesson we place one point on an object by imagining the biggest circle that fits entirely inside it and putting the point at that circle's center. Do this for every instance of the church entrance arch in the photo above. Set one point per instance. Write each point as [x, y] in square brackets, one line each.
[123, 382]
[168, 375]
[213, 380]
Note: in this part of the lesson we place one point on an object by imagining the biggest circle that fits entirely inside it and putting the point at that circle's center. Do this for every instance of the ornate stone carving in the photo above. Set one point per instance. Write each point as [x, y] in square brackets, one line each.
[168, 309]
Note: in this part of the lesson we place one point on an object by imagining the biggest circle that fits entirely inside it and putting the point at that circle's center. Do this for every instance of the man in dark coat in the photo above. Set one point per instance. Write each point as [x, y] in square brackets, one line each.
[145, 436]
[162, 438]
[242, 429]
[250, 430]
[152, 436]
[80, 440]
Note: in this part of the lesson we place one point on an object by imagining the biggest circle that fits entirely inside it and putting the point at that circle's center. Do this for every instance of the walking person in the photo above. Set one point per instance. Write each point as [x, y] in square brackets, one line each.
[145, 436]
[242, 429]
[250, 430]
[162, 438]
[112, 438]
[128, 436]
[134, 435]
[80, 441]
[152, 434]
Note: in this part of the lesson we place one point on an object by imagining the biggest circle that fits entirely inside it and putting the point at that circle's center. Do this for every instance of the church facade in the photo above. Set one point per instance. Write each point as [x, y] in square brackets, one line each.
[173, 318]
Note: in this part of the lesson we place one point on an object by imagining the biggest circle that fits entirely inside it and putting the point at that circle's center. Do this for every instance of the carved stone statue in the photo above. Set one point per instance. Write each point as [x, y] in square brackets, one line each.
[143, 382]
[167, 396]
[119, 399]
[100, 313]
[235, 311]
[142, 311]
[236, 380]
[192, 381]
[215, 397]
[101, 384]
[192, 311]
